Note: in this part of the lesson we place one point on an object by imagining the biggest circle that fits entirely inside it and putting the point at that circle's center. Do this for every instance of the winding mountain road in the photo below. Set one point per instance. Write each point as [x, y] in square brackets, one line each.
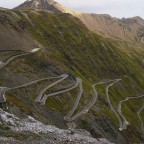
[86, 108]
[138, 114]
[111, 106]
[75, 105]
[2, 94]
[40, 99]
[90, 104]
[3, 90]
[43, 100]
[120, 109]
[2, 64]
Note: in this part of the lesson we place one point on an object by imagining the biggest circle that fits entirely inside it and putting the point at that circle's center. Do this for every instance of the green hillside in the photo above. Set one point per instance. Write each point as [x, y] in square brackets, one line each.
[69, 47]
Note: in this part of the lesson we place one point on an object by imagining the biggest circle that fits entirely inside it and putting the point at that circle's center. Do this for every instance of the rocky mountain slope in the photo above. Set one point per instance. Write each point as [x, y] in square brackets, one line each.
[126, 28]
[40, 4]
[74, 71]
[36, 132]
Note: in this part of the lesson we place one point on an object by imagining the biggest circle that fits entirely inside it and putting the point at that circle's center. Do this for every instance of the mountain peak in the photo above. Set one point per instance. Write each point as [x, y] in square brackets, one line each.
[39, 4]
[49, 5]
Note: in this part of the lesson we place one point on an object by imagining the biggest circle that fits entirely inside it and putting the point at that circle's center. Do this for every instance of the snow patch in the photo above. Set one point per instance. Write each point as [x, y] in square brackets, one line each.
[35, 50]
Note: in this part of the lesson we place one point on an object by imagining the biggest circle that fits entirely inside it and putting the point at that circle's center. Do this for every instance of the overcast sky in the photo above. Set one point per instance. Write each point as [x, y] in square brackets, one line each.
[117, 8]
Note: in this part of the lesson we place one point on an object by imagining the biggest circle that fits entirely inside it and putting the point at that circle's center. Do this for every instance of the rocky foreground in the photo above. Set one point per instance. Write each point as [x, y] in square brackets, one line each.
[29, 130]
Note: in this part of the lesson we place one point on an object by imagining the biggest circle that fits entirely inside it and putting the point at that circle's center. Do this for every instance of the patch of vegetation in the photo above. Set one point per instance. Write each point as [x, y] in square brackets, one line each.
[4, 127]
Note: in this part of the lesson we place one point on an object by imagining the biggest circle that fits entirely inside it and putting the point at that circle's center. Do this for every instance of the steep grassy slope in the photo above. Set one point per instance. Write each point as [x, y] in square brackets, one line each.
[69, 47]
[10, 35]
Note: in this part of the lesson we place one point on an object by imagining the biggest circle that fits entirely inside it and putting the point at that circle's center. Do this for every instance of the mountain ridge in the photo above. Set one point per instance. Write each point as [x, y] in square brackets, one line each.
[103, 24]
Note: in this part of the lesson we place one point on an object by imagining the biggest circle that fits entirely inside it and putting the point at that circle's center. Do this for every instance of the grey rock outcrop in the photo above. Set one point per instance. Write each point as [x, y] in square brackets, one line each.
[46, 133]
